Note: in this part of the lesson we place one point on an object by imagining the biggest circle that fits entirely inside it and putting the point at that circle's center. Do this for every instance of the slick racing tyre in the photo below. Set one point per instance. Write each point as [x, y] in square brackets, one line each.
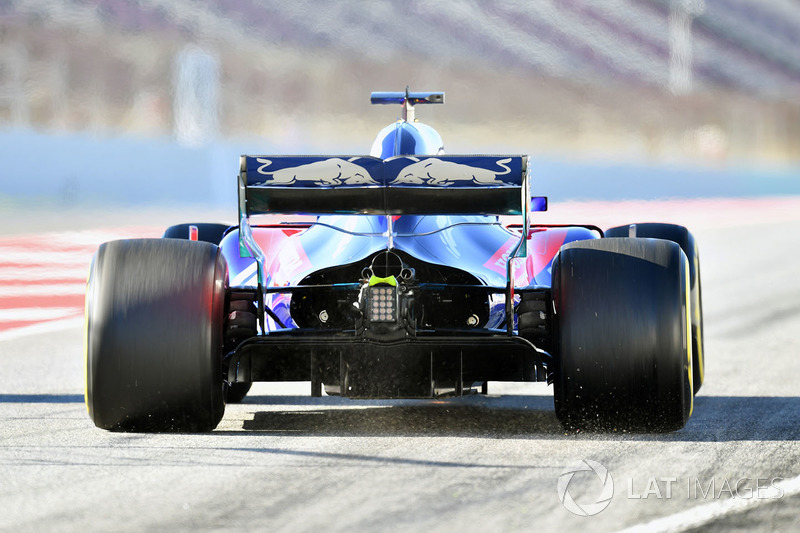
[154, 335]
[685, 240]
[206, 232]
[623, 358]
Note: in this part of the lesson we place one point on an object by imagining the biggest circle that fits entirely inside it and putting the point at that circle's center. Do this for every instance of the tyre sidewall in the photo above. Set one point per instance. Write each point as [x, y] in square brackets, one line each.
[623, 358]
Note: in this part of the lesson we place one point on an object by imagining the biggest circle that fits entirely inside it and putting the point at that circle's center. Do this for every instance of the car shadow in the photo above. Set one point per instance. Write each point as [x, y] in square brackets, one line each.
[412, 418]
[715, 418]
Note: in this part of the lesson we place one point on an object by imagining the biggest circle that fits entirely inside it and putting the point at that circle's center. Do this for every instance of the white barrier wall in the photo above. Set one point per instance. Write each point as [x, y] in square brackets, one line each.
[79, 169]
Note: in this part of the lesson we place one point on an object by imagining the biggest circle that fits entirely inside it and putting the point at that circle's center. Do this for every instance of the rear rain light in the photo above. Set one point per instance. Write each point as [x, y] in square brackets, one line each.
[383, 304]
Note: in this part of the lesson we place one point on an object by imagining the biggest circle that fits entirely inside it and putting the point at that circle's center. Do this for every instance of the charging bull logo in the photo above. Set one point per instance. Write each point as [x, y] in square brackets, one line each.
[334, 171]
[441, 173]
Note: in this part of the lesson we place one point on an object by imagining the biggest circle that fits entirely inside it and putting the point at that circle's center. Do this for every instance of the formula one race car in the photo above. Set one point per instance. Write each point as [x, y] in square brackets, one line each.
[392, 276]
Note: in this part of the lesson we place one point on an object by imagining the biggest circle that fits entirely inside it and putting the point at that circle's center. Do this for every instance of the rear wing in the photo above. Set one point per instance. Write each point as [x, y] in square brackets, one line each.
[402, 185]
[365, 185]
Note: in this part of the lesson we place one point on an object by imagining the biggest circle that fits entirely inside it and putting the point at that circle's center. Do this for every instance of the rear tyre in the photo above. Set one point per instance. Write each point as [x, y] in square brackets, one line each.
[623, 348]
[206, 232]
[685, 240]
[154, 335]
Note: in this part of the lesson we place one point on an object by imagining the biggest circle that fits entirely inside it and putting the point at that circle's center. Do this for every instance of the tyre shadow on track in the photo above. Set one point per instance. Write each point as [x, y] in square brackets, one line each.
[715, 418]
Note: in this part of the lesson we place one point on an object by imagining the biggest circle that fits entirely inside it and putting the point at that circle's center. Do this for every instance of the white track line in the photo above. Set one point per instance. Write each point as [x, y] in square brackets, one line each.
[46, 257]
[40, 272]
[95, 238]
[36, 313]
[91, 239]
[705, 513]
[57, 289]
[46, 327]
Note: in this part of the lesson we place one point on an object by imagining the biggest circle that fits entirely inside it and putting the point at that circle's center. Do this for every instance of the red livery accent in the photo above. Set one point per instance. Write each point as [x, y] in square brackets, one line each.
[498, 261]
[285, 256]
[543, 244]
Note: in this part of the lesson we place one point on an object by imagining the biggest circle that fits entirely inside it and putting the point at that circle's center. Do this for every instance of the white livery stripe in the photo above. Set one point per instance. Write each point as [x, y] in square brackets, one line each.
[245, 276]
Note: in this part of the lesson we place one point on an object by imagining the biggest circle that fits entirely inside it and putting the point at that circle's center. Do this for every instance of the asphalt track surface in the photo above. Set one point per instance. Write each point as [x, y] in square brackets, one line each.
[284, 461]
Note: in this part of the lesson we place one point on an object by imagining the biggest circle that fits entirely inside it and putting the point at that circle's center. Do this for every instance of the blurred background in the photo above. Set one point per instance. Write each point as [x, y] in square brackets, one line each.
[150, 102]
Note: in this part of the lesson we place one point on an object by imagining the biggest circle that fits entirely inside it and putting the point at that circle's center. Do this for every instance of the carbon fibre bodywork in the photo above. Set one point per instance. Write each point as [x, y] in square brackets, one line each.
[479, 246]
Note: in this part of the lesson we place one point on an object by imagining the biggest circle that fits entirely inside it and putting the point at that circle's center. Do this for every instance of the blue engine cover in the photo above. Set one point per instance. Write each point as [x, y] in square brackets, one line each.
[406, 138]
